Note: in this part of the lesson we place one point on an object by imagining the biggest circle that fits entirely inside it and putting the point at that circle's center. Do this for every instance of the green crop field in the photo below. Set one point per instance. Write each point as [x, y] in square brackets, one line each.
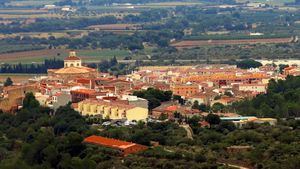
[38, 56]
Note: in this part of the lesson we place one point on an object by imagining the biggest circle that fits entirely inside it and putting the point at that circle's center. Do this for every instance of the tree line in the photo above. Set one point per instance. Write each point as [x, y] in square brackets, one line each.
[32, 68]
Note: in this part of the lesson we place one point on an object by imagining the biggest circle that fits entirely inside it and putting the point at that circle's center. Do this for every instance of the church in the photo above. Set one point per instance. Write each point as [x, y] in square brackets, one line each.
[73, 68]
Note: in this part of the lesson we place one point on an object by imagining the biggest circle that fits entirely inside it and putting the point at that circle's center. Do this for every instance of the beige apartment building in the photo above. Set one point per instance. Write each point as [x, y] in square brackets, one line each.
[257, 88]
[112, 110]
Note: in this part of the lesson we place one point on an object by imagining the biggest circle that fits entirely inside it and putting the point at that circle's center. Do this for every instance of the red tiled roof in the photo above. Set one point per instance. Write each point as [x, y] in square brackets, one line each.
[72, 58]
[74, 105]
[85, 91]
[83, 80]
[171, 108]
[204, 123]
[289, 68]
[108, 142]
[111, 103]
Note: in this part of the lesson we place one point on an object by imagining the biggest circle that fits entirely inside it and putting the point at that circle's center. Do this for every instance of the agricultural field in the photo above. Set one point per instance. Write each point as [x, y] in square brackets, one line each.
[39, 56]
[12, 13]
[270, 2]
[114, 27]
[198, 43]
[30, 15]
[4, 48]
[58, 34]
[17, 78]
[32, 2]
[22, 11]
[166, 4]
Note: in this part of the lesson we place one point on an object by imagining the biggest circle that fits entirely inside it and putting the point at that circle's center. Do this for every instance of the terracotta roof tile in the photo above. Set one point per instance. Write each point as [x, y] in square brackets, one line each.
[72, 58]
[108, 142]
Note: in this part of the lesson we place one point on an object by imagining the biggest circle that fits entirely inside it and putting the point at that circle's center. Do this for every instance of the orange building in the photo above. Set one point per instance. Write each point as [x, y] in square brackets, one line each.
[185, 90]
[82, 94]
[222, 79]
[13, 96]
[123, 147]
[291, 70]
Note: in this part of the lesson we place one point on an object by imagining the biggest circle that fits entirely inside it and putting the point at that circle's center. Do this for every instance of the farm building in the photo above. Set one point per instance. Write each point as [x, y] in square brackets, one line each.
[123, 147]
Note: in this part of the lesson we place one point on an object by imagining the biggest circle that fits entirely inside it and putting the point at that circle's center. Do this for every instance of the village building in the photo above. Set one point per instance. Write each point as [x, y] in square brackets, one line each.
[255, 88]
[72, 68]
[292, 70]
[12, 96]
[168, 109]
[241, 121]
[112, 110]
[185, 90]
[83, 94]
[225, 100]
[135, 101]
[123, 147]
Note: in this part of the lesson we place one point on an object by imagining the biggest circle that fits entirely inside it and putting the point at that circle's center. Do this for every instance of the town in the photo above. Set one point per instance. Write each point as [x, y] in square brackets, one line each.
[149, 84]
[180, 89]
[154, 111]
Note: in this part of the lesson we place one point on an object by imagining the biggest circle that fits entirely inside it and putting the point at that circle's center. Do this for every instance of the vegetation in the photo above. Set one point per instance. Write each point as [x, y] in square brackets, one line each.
[159, 28]
[113, 67]
[281, 100]
[41, 138]
[154, 96]
[247, 64]
[32, 68]
[36, 137]
[8, 82]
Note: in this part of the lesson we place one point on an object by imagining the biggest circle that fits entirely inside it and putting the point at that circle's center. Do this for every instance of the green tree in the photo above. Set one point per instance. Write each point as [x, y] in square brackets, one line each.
[212, 119]
[30, 102]
[194, 121]
[195, 105]
[248, 63]
[51, 155]
[217, 107]
[8, 82]
[204, 107]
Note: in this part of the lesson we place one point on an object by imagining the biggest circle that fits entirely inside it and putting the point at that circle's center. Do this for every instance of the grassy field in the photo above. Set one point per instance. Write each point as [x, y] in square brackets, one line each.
[39, 56]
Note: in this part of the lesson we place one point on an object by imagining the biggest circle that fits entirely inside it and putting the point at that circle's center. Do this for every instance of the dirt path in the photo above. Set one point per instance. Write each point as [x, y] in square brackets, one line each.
[233, 165]
[188, 130]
